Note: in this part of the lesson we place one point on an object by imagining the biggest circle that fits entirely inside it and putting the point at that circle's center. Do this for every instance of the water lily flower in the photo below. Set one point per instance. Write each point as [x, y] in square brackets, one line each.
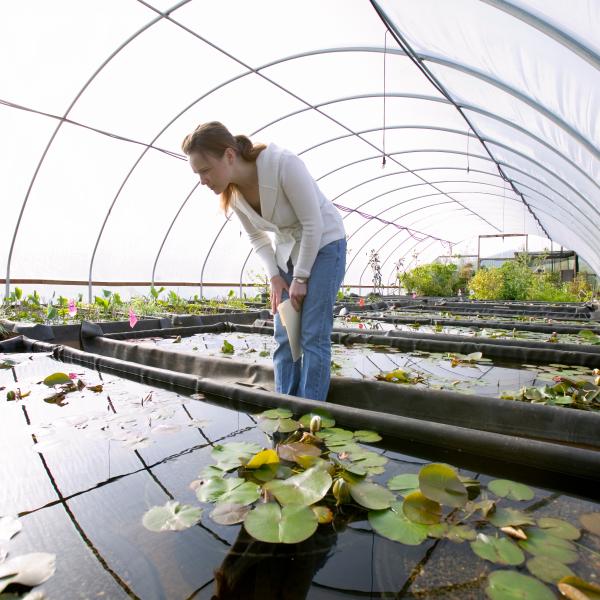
[73, 375]
[72, 308]
[361, 302]
[132, 318]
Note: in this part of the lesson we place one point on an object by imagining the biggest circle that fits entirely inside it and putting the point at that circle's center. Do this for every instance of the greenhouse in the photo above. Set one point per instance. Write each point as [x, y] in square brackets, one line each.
[300, 300]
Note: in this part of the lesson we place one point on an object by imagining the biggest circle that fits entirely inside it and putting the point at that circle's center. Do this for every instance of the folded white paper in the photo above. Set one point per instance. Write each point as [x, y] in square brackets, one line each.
[291, 321]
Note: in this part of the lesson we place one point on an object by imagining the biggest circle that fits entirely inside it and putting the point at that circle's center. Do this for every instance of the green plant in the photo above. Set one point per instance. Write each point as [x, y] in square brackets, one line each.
[433, 279]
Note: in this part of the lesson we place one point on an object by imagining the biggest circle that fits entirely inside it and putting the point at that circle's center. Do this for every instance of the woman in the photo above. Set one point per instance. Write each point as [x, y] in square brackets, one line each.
[270, 190]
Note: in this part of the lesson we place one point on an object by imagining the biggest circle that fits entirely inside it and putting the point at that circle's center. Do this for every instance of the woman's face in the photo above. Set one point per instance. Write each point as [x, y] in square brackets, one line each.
[214, 172]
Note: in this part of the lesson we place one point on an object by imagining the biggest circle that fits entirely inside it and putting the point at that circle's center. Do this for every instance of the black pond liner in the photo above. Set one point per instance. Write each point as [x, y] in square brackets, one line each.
[478, 425]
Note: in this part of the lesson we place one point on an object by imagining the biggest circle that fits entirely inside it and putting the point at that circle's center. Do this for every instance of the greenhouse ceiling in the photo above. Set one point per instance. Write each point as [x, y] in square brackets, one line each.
[427, 123]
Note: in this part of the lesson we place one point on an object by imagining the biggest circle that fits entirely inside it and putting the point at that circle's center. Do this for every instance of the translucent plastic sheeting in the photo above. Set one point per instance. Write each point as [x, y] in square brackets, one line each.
[89, 89]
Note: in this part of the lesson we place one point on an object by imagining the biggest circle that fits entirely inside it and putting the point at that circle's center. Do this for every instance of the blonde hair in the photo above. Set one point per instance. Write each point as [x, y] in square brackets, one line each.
[214, 138]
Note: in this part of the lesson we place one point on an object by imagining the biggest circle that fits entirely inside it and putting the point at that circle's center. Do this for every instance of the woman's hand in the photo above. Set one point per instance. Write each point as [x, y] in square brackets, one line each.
[297, 292]
[278, 284]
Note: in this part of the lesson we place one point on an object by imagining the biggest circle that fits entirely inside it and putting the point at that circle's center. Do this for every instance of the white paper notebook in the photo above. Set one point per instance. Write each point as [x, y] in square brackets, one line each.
[291, 321]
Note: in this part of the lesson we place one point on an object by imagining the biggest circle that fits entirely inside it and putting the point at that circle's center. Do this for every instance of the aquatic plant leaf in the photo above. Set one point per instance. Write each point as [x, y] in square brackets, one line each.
[27, 569]
[228, 513]
[460, 533]
[171, 517]
[437, 530]
[56, 379]
[295, 450]
[505, 488]
[541, 543]
[227, 348]
[441, 483]
[499, 550]
[584, 590]
[365, 459]
[324, 514]
[368, 437]
[420, 509]
[509, 585]
[394, 525]
[211, 471]
[326, 419]
[9, 527]
[305, 488]
[371, 495]
[591, 521]
[234, 454]
[288, 525]
[509, 517]
[7, 363]
[276, 413]
[559, 528]
[270, 425]
[264, 457]
[404, 483]
[474, 356]
[548, 569]
[335, 434]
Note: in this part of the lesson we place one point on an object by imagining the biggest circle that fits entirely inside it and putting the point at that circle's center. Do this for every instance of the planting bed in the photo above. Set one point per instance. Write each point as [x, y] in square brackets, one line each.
[85, 470]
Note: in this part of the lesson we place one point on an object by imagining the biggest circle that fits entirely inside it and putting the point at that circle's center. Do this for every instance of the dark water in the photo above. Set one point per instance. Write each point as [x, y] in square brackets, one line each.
[94, 466]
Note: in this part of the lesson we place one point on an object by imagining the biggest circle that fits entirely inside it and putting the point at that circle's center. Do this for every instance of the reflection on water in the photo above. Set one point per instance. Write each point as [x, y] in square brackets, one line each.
[81, 477]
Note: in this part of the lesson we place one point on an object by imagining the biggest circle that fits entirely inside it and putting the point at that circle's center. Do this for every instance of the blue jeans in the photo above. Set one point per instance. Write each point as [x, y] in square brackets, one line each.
[309, 376]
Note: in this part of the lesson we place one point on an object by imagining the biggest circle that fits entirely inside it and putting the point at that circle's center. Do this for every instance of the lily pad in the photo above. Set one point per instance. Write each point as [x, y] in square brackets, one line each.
[559, 528]
[393, 524]
[548, 569]
[510, 489]
[368, 459]
[295, 450]
[171, 517]
[305, 488]
[441, 483]
[404, 483]
[271, 425]
[499, 550]
[276, 413]
[333, 434]
[541, 543]
[591, 521]
[460, 533]
[368, 437]
[324, 514]
[9, 527]
[509, 517]
[226, 513]
[420, 509]
[264, 457]
[577, 589]
[27, 569]
[57, 379]
[371, 495]
[233, 490]
[326, 419]
[509, 585]
[234, 454]
[288, 525]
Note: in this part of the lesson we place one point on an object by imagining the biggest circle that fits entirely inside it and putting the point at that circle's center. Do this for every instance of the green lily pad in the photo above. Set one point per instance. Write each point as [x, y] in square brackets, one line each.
[326, 419]
[509, 585]
[288, 525]
[510, 489]
[497, 550]
[305, 488]
[295, 450]
[368, 437]
[572, 584]
[541, 543]
[211, 471]
[227, 347]
[404, 483]
[273, 425]
[371, 495]
[57, 379]
[234, 454]
[509, 517]
[229, 513]
[171, 517]
[420, 509]
[210, 490]
[393, 524]
[333, 434]
[559, 528]
[27, 569]
[460, 533]
[591, 521]
[548, 569]
[441, 483]
[368, 459]
[276, 413]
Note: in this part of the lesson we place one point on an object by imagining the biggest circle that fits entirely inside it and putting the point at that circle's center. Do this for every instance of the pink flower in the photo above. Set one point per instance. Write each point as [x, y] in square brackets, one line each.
[72, 308]
[132, 318]
[72, 375]
[361, 302]
[360, 326]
